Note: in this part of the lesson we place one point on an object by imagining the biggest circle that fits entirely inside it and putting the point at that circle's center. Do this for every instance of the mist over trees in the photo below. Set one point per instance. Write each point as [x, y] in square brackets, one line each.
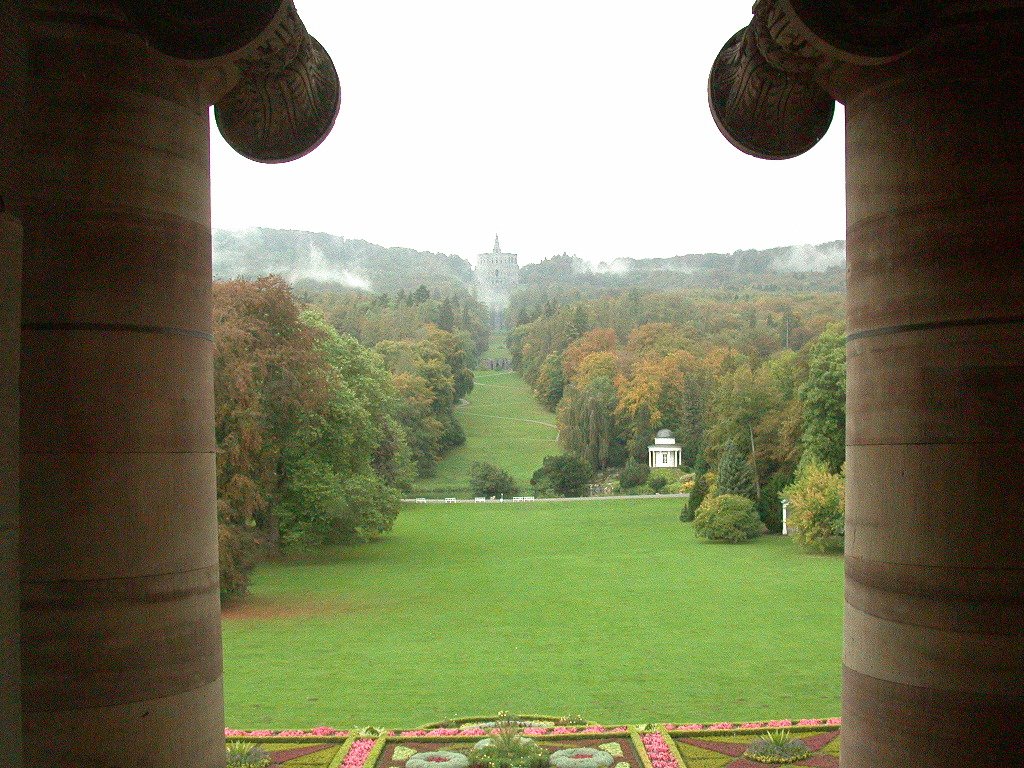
[315, 259]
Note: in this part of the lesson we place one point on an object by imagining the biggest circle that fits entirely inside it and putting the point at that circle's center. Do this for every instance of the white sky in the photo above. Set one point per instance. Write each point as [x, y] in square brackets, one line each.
[563, 125]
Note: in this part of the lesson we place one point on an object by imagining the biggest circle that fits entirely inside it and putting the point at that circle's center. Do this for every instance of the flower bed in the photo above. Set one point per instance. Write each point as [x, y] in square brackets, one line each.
[672, 745]
[726, 749]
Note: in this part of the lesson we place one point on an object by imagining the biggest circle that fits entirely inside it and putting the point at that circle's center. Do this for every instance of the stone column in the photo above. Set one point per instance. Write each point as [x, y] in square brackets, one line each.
[934, 628]
[11, 78]
[934, 643]
[120, 606]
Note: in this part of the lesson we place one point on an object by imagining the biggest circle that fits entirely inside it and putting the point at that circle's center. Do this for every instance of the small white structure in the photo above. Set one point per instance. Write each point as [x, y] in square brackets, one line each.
[665, 452]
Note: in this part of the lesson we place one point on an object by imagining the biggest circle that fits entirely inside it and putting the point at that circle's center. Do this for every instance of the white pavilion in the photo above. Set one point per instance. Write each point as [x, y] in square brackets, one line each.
[665, 452]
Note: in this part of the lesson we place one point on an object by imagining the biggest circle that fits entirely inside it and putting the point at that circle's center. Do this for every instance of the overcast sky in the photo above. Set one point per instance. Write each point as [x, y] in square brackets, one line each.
[564, 125]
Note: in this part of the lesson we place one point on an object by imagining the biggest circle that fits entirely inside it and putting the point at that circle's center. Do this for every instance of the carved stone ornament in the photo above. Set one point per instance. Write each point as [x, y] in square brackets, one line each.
[286, 100]
[765, 88]
[763, 109]
[275, 88]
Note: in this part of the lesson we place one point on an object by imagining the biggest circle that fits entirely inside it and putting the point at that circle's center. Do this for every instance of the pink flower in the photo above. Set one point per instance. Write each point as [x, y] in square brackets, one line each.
[534, 731]
[779, 723]
[324, 730]
[720, 727]
[563, 729]
[261, 734]
[658, 751]
[811, 721]
[233, 732]
[473, 732]
[752, 725]
[834, 721]
[357, 753]
[593, 729]
[292, 734]
[414, 733]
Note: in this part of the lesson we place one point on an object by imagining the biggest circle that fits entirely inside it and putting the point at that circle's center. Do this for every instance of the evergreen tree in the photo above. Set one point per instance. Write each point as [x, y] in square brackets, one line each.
[699, 490]
[735, 474]
[633, 474]
[446, 316]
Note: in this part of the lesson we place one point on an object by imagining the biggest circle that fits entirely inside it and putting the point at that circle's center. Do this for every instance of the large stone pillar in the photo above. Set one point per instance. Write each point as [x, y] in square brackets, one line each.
[11, 78]
[934, 629]
[934, 643]
[120, 606]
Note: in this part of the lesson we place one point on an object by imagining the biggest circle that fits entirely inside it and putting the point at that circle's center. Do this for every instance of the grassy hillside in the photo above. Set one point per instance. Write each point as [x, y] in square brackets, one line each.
[610, 609]
[504, 426]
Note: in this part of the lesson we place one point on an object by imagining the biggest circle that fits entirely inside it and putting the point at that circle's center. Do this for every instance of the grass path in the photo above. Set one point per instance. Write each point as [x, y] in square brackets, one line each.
[497, 397]
[609, 609]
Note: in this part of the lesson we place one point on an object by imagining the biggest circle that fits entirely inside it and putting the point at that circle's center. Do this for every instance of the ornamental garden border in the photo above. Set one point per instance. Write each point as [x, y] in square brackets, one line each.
[656, 745]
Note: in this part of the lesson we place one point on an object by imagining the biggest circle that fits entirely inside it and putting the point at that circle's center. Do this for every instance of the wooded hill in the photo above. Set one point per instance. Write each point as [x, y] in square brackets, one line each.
[314, 258]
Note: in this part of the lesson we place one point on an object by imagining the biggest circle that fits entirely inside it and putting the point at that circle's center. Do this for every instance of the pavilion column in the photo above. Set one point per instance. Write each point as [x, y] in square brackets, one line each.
[11, 94]
[934, 627]
[934, 644]
[121, 647]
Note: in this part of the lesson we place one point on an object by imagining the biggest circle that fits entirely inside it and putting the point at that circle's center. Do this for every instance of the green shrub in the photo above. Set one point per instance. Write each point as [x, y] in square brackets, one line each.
[657, 482]
[777, 748]
[488, 480]
[562, 475]
[817, 505]
[241, 754]
[769, 506]
[508, 748]
[633, 474]
[727, 518]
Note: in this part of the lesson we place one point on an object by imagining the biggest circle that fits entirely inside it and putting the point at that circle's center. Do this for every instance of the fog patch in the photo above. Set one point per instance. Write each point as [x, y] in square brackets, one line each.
[318, 270]
[810, 258]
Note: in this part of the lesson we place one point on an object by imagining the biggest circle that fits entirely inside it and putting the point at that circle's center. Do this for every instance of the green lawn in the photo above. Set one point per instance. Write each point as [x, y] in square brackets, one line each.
[504, 426]
[610, 609]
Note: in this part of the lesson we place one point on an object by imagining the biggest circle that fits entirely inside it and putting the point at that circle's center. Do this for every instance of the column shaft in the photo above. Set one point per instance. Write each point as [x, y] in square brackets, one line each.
[11, 95]
[121, 649]
[934, 638]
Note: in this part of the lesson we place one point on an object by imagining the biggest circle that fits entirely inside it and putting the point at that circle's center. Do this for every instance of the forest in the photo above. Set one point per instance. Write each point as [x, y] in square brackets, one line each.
[751, 384]
[328, 406]
[330, 402]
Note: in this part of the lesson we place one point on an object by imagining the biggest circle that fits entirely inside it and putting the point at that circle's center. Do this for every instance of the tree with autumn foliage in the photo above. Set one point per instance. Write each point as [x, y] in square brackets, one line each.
[817, 506]
[760, 371]
[309, 451]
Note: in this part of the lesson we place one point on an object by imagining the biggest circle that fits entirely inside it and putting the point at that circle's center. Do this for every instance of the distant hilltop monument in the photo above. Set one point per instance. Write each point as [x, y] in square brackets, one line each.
[497, 275]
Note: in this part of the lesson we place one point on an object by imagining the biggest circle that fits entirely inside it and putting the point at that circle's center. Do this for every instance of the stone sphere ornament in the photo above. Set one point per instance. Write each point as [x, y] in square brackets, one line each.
[439, 759]
[581, 757]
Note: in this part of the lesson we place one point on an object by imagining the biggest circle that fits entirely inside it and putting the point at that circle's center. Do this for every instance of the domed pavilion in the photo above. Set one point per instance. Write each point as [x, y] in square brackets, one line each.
[665, 452]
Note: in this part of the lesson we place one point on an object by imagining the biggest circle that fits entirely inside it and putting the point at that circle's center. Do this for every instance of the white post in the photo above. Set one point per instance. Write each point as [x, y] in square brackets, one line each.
[785, 511]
